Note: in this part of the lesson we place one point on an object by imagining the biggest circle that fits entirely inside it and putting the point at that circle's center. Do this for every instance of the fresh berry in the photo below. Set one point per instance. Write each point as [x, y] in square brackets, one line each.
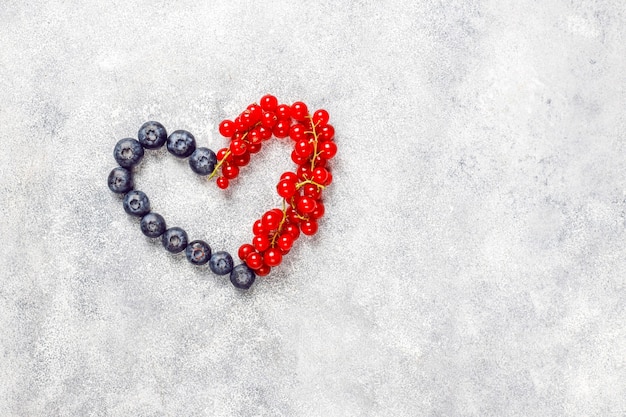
[328, 149]
[152, 135]
[299, 110]
[326, 132]
[128, 152]
[272, 257]
[254, 260]
[281, 128]
[120, 180]
[263, 271]
[305, 205]
[271, 219]
[283, 111]
[242, 277]
[245, 250]
[152, 225]
[268, 102]
[198, 252]
[230, 171]
[202, 161]
[181, 143]
[297, 132]
[227, 128]
[174, 240]
[309, 227]
[221, 263]
[285, 242]
[260, 242]
[320, 117]
[286, 189]
[222, 183]
[136, 203]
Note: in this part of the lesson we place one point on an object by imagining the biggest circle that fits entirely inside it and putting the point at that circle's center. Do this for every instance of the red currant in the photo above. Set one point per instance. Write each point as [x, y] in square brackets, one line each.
[311, 190]
[246, 120]
[299, 111]
[304, 172]
[245, 250]
[305, 205]
[303, 148]
[254, 147]
[286, 189]
[328, 149]
[292, 216]
[297, 159]
[261, 242]
[283, 111]
[222, 183]
[271, 219]
[320, 175]
[320, 117]
[268, 102]
[263, 271]
[272, 257]
[257, 228]
[309, 227]
[289, 176]
[254, 136]
[293, 230]
[242, 160]
[227, 128]
[327, 132]
[297, 132]
[319, 210]
[254, 260]
[230, 171]
[281, 128]
[222, 153]
[255, 112]
[329, 179]
[238, 147]
[268, 119]
[285, 241]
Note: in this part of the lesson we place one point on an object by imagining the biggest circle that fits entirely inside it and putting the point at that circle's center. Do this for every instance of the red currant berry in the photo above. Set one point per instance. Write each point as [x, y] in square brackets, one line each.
[245, 250]
[286, 189]
[222, 183]
[304, 172]
[264, 132]
[254, 260]
[319, 210]
[326, 132]
[297, 159]
[319, 161]
[284, 242]
[297, 132]
[255, 112]
[320, 175]
[240, 125]
[283, 111]
[237, 147]
[293, 230]
[257, 228]
[329, 179]
[272, 257]
[311, 190]
[246, 119]
[254, 147]
[303, 148]
[281, 128]
[254, 136]
[309, 227]
[289, 176]
[328, 149]
[292, 216]
[222, 153]
[320, 117]
[305, 205]
[261, 242]
[263, 271]
[227, 128]
[268, 102]
[271, 220]
[268, 119]
[230, 171]
[299, 110]
[242, 160]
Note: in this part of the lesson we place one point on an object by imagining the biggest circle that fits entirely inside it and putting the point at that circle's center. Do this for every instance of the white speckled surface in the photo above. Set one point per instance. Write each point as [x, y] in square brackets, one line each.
[472, 260]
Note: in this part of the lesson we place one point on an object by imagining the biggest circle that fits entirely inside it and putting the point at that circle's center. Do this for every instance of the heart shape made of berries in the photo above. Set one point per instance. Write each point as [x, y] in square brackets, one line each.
[277, 230]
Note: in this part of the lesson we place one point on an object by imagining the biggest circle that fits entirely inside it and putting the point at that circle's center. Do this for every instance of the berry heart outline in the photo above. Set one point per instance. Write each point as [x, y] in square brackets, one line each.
[277, 230]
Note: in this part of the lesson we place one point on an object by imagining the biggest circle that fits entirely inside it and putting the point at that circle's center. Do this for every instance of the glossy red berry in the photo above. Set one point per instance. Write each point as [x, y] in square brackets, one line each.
[283, 111]
[309, 227]
[293, 230]
[311, 190]
[285, 242]
[297, 132]
[297, 159]
[286, 189]
[281, 128]
[305, 205]
[222, 183]
[304, 172]
[227, 128]
[263, 271]
[271, 219]
[292, 215]
[230, 171]
[254, 147]
[320, 117]
[261, 242]
[254, 260]
[303, 148]
[320, 175]
[221, 154]
[264, 132]
[257, 228]
[245, 250]
[289, 176]
[328, 149]
[319, 210]
[268, 119]
[268, 102]
[299, 111]
[237, 147]
[326, 132]
[254, 136]
[242, 160]
[272, 257]
[255, 112]
[329, 179]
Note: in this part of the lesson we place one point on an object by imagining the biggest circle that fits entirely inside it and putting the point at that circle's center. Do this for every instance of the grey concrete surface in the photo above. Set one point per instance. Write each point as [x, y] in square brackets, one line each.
[472, 261]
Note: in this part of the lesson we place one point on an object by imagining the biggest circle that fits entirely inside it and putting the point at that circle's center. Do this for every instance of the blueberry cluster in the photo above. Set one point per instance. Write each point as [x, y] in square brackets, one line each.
[182, 144]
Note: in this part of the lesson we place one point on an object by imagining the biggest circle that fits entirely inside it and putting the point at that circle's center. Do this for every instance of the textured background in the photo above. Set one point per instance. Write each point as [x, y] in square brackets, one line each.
[472, 261]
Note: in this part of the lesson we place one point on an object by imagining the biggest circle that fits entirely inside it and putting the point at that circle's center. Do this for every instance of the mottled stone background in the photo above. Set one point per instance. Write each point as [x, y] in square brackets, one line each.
[472, 261]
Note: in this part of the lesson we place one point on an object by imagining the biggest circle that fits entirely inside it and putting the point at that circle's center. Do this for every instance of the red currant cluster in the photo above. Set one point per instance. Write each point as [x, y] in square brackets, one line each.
[277, 230]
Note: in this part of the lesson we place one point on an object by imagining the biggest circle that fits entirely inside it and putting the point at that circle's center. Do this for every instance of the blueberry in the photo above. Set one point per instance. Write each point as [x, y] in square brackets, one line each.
[221, 263]
[202, 161]
[152, 225]
[136, 203]
[128, 152]
[181, 143]
[152, 135]
[174, 239]
[242, 276]
[198, 252]
[120, 180]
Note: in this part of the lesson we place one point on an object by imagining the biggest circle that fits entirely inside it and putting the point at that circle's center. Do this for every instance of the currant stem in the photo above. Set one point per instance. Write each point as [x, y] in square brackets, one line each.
[218, 166]
[301, 184]
[280, 225]
[314, 132]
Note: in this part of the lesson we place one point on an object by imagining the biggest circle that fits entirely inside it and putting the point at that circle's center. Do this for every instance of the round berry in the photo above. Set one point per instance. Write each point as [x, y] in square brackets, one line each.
[299, 110]
[281, 128]
[268, 119]
[198, 252]
[263, 271]
[230, 171]
[286, 189]
[152, 135]
[297, 132]
[254, 260]
[202, 161]
[256, 112]
[319, 210]
[311, 190]
[221, 263]
[320, 175]
[222, 183]
[306, 205]
[227, 128]
[136, 203]
[237, 147]
[257, 228]
[328, 149]
[268, 102]
[289, 176]
[152, 225]
[260, 242]
[326, 132]
[293, 230]
[309, 227]
[174, 240]
[181, 143]
[285, 242]
[303, 148]
[120, 180]
[242, 160]
[244, 251]
[320, 117]
[128, 152]
[283, 111]
[242, 277]
[272, 257]
[271, 219]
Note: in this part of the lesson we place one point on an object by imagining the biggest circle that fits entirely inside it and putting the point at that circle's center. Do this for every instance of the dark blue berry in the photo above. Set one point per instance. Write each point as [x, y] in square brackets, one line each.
[152, 135]
[174, 239]
[136, 203]
[242, 276]
[202, 161]
[198, 252]
[120, 180]
[221, 263]
[128, 152]
[181, 143]
[152, 225]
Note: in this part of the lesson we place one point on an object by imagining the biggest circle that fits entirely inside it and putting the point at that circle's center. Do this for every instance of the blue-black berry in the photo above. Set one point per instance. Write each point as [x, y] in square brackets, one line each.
[221, 263]
[128, 152]
[136, 203]
[181, 143]
[174, 239]
[152, 225]
[120, 180]
[242, 276]
[198, 252]
[152, 135]
[202, 161]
